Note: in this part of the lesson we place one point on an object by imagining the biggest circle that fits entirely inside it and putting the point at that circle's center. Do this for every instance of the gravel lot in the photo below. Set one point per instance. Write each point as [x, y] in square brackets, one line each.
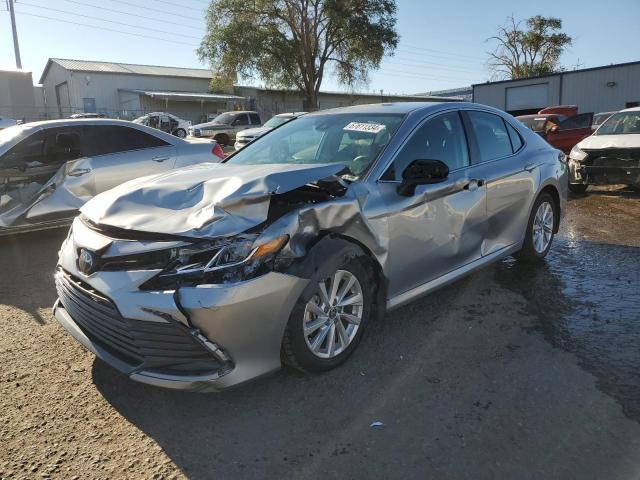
[513, 372]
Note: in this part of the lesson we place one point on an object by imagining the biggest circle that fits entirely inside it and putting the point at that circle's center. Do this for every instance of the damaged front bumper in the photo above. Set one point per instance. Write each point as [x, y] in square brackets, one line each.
[606, 168]
[204, 338]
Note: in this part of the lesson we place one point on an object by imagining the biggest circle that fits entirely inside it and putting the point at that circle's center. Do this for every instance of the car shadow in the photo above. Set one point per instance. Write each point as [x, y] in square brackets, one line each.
[27, 263]
[248, 428]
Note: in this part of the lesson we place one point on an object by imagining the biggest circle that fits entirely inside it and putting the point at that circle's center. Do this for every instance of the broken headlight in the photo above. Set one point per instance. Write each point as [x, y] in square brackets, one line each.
[220, 262]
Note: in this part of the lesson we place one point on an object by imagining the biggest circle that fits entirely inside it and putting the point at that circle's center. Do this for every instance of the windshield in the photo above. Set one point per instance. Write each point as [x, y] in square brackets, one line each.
[354, 139]
[224, 118]
[10, 133]
[540, 124]
[599, 118]
[273, 122]
[621, 123]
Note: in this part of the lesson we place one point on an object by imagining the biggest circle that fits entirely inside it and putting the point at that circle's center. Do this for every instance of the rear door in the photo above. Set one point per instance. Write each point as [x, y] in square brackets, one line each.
[119, 153]
[509, 181]
[571, 131]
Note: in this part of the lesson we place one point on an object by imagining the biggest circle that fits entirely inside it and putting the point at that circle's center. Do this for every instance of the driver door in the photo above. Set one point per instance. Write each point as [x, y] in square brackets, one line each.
[441, 226]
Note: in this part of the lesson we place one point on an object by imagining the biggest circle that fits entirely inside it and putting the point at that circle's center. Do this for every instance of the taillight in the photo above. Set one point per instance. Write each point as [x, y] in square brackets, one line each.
[217, 151]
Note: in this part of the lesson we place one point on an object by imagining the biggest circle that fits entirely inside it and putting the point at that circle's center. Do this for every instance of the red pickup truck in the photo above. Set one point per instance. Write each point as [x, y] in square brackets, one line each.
[562, 126]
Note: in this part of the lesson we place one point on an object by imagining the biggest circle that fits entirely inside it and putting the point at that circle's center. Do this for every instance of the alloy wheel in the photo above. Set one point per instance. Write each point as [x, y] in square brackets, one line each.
[332, 316]
[543, 227]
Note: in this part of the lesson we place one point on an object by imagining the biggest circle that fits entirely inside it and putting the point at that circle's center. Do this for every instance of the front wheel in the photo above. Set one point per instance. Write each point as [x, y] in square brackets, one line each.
[540, 229]
[181, 133]
[328, 320]
[577, 187]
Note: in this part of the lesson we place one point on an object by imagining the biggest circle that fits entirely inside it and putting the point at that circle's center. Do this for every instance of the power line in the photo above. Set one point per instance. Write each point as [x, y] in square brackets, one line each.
[439, 56]
[162, 11]
[405, 45]
[100, 19]
[96, 27]
[400, 73]
[427, 65]
[133, 15]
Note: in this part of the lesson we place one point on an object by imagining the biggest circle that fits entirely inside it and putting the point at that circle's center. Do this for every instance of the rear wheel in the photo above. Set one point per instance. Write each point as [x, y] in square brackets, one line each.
[222, 139]
[181, 133]
[577, 187]
[328, 320]
[540, 230]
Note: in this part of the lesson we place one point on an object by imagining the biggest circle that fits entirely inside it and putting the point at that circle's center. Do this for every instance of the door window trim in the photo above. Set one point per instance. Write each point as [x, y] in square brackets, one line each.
[513, 154]
[167, 144]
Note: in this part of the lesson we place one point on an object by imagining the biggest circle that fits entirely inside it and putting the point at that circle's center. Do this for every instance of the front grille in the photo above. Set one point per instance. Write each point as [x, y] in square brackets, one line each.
[166, 348]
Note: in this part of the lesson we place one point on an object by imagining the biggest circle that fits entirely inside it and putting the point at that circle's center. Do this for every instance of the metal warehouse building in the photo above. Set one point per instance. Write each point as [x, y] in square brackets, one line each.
[599, 89]
[128, 91]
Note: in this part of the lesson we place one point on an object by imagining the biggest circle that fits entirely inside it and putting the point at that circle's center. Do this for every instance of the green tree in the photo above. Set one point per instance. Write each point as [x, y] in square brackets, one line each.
[535, 50]
[293, 43]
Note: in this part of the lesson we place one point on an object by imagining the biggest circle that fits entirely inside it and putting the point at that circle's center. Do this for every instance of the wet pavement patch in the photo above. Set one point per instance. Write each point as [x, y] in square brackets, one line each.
[587, 300]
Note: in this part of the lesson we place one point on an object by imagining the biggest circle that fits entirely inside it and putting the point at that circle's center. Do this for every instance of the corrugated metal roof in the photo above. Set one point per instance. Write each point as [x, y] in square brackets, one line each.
[128, 68]
[185, 96]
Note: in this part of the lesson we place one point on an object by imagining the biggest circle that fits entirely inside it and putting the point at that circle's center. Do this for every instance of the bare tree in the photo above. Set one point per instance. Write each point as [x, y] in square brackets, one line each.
[524, 53]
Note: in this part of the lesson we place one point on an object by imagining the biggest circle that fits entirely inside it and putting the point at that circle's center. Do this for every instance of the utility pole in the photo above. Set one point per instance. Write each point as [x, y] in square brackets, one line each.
[16, 47]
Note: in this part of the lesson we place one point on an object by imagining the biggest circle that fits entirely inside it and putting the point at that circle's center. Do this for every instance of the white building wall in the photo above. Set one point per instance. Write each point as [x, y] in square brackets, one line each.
[589, 90]
[596, 90]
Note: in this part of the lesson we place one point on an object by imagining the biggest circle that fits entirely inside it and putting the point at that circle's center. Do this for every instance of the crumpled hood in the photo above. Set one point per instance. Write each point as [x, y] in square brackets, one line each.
[253, 132]
[202, 201]
[611, 141]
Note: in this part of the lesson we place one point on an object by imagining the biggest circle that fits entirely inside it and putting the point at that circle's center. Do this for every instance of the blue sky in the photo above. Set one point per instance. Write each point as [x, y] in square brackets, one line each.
[442, 43]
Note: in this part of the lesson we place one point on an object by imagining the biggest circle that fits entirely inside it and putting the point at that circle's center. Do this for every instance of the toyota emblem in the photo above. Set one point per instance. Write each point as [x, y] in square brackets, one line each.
[86, 262]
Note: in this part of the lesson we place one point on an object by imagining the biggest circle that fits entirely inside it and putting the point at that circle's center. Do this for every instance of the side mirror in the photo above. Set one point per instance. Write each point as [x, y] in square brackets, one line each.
[422, 172]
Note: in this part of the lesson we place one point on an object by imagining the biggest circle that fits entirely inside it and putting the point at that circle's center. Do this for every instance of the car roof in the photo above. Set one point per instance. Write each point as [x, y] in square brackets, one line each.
[77, 121]
[382, 108]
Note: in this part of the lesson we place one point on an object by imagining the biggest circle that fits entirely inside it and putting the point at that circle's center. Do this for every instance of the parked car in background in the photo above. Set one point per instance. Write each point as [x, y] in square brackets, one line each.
[166, 122]
[244, 137]
[610, 156]
[48, 170]
[562, 126]
[88, 115]
[8, 122]
[207, 277]
[599, 118]
[225, 126]
[541, 124]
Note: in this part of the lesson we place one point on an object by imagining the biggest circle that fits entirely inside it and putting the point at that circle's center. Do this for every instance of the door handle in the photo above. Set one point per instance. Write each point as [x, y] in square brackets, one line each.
[160, 159]
[473, 185]
[529, 167]
[78, 172]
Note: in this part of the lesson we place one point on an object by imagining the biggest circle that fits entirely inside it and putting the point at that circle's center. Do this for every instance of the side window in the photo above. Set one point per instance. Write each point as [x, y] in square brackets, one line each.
[51, 146]
[31, 149]
[241, 119]
[577, 121]
[491, 135]
[255, 118]
[104, 140]
[516, 139]
[441, 138]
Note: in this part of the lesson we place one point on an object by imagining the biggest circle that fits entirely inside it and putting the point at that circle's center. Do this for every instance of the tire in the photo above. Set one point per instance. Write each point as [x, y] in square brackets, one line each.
[181, 133]
[297, 347]
[577, 187]
[222, 139]
[534, 249]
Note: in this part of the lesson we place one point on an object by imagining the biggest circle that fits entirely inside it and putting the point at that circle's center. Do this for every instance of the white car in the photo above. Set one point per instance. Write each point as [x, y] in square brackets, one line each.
[7, 122]
[166, 122]
[245, 137]
[610, 156]
[48, 170]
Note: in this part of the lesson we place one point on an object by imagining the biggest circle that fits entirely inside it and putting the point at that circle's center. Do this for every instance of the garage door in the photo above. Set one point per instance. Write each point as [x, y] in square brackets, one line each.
[528, 97]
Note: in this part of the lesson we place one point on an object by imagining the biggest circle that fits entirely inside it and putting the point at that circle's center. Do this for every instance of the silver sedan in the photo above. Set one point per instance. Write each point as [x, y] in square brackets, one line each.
[210, 276]
[48, 170]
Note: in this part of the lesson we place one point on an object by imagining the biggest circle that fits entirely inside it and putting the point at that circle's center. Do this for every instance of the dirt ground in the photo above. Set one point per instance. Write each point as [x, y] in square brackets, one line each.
[513, 372]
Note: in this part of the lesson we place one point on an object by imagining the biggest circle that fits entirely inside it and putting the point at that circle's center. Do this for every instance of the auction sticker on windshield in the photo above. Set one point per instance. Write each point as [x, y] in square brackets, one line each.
[364, 127]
